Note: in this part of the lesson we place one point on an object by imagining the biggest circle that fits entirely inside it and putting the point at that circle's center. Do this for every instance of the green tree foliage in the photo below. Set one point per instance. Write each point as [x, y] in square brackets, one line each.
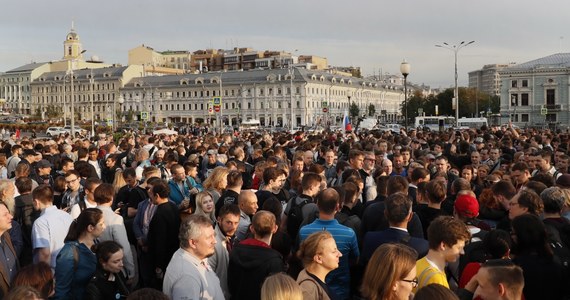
[53, 112]
[354, 111]
[371, 110]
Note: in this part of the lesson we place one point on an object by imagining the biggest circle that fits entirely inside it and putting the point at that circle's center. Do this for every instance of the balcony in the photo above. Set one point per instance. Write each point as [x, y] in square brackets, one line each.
[553, 107]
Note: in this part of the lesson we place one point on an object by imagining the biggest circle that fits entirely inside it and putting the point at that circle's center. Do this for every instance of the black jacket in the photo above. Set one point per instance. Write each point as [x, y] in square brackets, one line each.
[251, 262]
[100, 288]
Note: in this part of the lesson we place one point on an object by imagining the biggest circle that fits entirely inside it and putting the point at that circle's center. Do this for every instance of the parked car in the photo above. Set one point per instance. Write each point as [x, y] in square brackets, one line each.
[55, 131]
[78, 129]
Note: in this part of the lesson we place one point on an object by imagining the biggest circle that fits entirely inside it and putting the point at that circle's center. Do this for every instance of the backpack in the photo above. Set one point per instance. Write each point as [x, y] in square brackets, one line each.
[82, 205]
[559, 247]
[295, 217]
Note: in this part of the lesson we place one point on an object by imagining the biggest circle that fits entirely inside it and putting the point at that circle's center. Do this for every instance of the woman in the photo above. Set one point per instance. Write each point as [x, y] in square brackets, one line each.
[76, 263]
[280, 287]
[397, 276]
[3, 170]
[217, 182]
[38, 276]
[544, 278]
[205, 206]
[319, 256]
[109, 281]
[525, 202]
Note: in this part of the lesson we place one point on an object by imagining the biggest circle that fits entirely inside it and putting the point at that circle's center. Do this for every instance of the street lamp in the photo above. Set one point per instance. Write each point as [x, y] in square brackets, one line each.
[405, 69]
[455, 49]
[121, 100]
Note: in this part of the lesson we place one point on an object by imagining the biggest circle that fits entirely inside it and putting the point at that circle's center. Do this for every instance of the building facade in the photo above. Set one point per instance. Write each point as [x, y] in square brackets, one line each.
[278, 97]
[488, 80]
[536, 93]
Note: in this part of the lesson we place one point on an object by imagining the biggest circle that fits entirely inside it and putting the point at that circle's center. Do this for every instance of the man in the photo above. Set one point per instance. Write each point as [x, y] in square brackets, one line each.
[247, 202]
[115, 228]
[273, 181]
[163, 230]
[210, 163]
[66, 164]
[338, 280]
[475, 159]
[497, 279]
[43, 174]
[495, 157]
[330, 165]
[418, 175]
[89, 201]
[302, 208]
[366, 174]
[563, 163]
[387, 167]
[520, 175]
[226, 228]
[554, 200]
[74, 192]
[446, 237]
[253, 260]
[544, 165]
[442, 167]
[179, 188]
[233, 189]
[50, 229]
[13, 160]
[94, 161]
[399, 213]
[399, 169]
[188, 275]
[8, 258]
[29, 158]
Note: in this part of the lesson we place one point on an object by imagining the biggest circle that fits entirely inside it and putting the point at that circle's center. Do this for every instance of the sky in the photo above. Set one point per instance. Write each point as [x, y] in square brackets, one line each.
[375, 35]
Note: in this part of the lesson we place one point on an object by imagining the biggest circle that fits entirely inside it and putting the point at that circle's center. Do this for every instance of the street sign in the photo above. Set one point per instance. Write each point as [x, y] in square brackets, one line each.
[217, 100]
[144, 115]
[217, 108]
[325, 110]
[210, 110]
[544, 111]
[325, 104]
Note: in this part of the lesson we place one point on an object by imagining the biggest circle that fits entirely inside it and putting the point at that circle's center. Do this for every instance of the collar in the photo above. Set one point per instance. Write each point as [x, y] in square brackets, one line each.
[254, 242]
[400, 229]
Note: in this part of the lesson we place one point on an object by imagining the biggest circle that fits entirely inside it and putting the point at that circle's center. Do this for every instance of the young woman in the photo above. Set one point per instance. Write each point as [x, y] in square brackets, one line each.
[109, 281]
[390, 273]
[76, 263]
[280, 287]
[319, 256]
[205, 206]
[217, 182]
[38, 276]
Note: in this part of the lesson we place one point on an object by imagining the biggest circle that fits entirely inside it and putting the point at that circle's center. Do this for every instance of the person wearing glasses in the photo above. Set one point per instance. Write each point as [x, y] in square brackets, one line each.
[390, 273]
[320, 256]
[74, 193]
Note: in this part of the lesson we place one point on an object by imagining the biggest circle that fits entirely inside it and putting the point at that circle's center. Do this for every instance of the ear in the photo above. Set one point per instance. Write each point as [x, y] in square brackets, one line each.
[442, 246]
[410, 216]
[501, 289]
[275, 229]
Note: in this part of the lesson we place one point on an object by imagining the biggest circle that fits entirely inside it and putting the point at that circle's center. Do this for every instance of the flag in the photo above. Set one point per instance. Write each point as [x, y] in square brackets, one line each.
[346, 126]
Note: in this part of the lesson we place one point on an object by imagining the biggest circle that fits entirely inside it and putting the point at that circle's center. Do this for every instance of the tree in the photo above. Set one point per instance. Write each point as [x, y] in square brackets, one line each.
[53, 112]
[371, 110]
[354, 111]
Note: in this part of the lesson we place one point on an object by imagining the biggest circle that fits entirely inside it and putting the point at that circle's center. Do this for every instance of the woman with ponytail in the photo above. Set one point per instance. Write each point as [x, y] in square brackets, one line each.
[76, 263]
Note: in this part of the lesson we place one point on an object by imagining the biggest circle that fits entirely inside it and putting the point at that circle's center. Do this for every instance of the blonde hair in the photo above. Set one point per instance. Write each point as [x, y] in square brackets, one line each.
[311, 246]
[280, 287]
[200, 200]
[119, 181]
[566, 193]
[397, 260]
[214, 181]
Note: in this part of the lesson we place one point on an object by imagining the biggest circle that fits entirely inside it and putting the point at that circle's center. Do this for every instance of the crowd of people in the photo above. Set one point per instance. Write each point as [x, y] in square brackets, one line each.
[473, 214]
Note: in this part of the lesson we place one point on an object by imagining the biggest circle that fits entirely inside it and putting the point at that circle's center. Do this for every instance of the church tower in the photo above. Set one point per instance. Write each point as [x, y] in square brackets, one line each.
[72, 46]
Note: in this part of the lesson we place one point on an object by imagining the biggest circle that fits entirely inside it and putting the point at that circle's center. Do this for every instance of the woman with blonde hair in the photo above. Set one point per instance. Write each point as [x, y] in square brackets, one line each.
[205, 206]
[390, 273]
[280, 287]
[319, 256]
[119, 181]
[3, 169]
[216, 183]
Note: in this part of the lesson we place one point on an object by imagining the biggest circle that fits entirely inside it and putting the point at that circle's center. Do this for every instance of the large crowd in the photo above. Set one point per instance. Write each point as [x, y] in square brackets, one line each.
[473, 214]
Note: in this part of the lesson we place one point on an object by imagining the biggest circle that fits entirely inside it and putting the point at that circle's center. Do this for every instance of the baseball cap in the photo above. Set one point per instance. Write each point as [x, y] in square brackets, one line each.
[43, 164]
[467, 206]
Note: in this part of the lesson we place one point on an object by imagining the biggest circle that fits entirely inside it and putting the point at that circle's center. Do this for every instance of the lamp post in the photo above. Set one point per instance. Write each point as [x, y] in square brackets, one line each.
[92, 83]
[455, 49]
[72, 99]
[121, 100]
[405, 69]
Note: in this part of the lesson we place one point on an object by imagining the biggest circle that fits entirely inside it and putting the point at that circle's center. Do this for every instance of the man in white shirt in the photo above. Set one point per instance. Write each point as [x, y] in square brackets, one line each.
[50, 229]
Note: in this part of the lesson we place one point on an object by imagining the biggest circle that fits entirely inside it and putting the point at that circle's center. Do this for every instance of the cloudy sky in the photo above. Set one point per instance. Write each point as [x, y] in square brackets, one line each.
[373, 34]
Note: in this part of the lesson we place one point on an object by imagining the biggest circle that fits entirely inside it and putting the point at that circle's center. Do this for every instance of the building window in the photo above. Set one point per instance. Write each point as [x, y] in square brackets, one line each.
[524, 117]
[515, 100]
[524, 100]
[524, 83]
[515, 117]
[513, 83]
[550, 97]
[550, 117]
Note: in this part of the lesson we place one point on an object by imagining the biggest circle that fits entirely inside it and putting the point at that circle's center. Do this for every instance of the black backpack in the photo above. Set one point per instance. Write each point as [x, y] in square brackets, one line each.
[556, 240]
[295, 217]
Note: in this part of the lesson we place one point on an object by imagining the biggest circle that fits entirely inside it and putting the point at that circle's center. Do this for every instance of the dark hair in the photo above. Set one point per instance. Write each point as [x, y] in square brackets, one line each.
[435, 191]
[397, 184]
[147, 294]
[161, 188]
[235, 179]
[274, 206]
[531, 236]
[129, 172]
[23, 184]
[89, 216]
[229, 209]
[38, 276]
[497, 243]
[90, 183]
[310, 179]
[351, 191]
[504, 188]
[43, 194]
[435, 291]
[530, 200]
[382, 185]
[419, 173]
[105, 250]
[398, 207]
[448, 230]
[104, 193]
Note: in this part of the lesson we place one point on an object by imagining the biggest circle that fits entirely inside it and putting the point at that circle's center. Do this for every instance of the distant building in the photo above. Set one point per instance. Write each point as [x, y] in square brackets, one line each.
[15, 90]
[160, 63]
[487, 80]
[270, 95]
[536, 93]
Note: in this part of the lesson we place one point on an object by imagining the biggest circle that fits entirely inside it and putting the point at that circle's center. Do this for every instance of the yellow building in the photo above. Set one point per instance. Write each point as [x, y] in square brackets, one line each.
[156, 63]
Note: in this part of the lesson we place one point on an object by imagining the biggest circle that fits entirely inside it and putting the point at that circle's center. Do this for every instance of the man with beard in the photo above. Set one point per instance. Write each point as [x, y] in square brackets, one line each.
[226, 228]
[188, 275]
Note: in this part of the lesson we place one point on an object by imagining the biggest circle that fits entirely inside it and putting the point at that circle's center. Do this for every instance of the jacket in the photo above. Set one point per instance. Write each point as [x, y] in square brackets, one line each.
[100, 288]
[5, 280]
[310, 287]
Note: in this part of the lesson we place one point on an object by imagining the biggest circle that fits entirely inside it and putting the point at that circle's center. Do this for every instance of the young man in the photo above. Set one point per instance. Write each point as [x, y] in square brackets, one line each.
[273, 181]
[90, 185]
[253, 260]
[446, 237]
[292, 221]
[74, 192]
[247, 202]
[497, 279]
[179, 189]
[50, 229]
[231, 194]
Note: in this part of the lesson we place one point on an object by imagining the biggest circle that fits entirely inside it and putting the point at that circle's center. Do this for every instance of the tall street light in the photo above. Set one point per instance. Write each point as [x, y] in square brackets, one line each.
[455, 49]
[405, 69]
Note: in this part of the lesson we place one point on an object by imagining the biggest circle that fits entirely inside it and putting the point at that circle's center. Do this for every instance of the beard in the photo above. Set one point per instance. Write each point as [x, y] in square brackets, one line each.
[11, 203]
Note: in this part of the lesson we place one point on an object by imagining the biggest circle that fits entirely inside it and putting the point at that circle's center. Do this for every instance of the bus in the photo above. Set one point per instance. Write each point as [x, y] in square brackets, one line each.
[466, 123]
[249, 125]
[433, 123]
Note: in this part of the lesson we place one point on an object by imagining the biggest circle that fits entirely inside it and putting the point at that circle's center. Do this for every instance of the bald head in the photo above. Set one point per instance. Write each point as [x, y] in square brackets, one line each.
[247, 202]
[263, 224]
[327, 201]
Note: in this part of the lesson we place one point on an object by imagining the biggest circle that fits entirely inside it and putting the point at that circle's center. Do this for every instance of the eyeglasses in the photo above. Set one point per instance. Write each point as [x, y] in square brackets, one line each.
[414, 282]
[71, 181]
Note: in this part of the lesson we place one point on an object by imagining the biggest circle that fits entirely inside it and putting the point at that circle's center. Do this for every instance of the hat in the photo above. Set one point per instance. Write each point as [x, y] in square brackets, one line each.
[430, 156]
[563, 181]
[43, 164]
[467, 206]
[29, 152]
[212, 152]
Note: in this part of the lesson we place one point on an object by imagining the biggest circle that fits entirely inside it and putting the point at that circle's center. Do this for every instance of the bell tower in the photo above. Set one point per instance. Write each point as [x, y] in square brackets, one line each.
[72, 45]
